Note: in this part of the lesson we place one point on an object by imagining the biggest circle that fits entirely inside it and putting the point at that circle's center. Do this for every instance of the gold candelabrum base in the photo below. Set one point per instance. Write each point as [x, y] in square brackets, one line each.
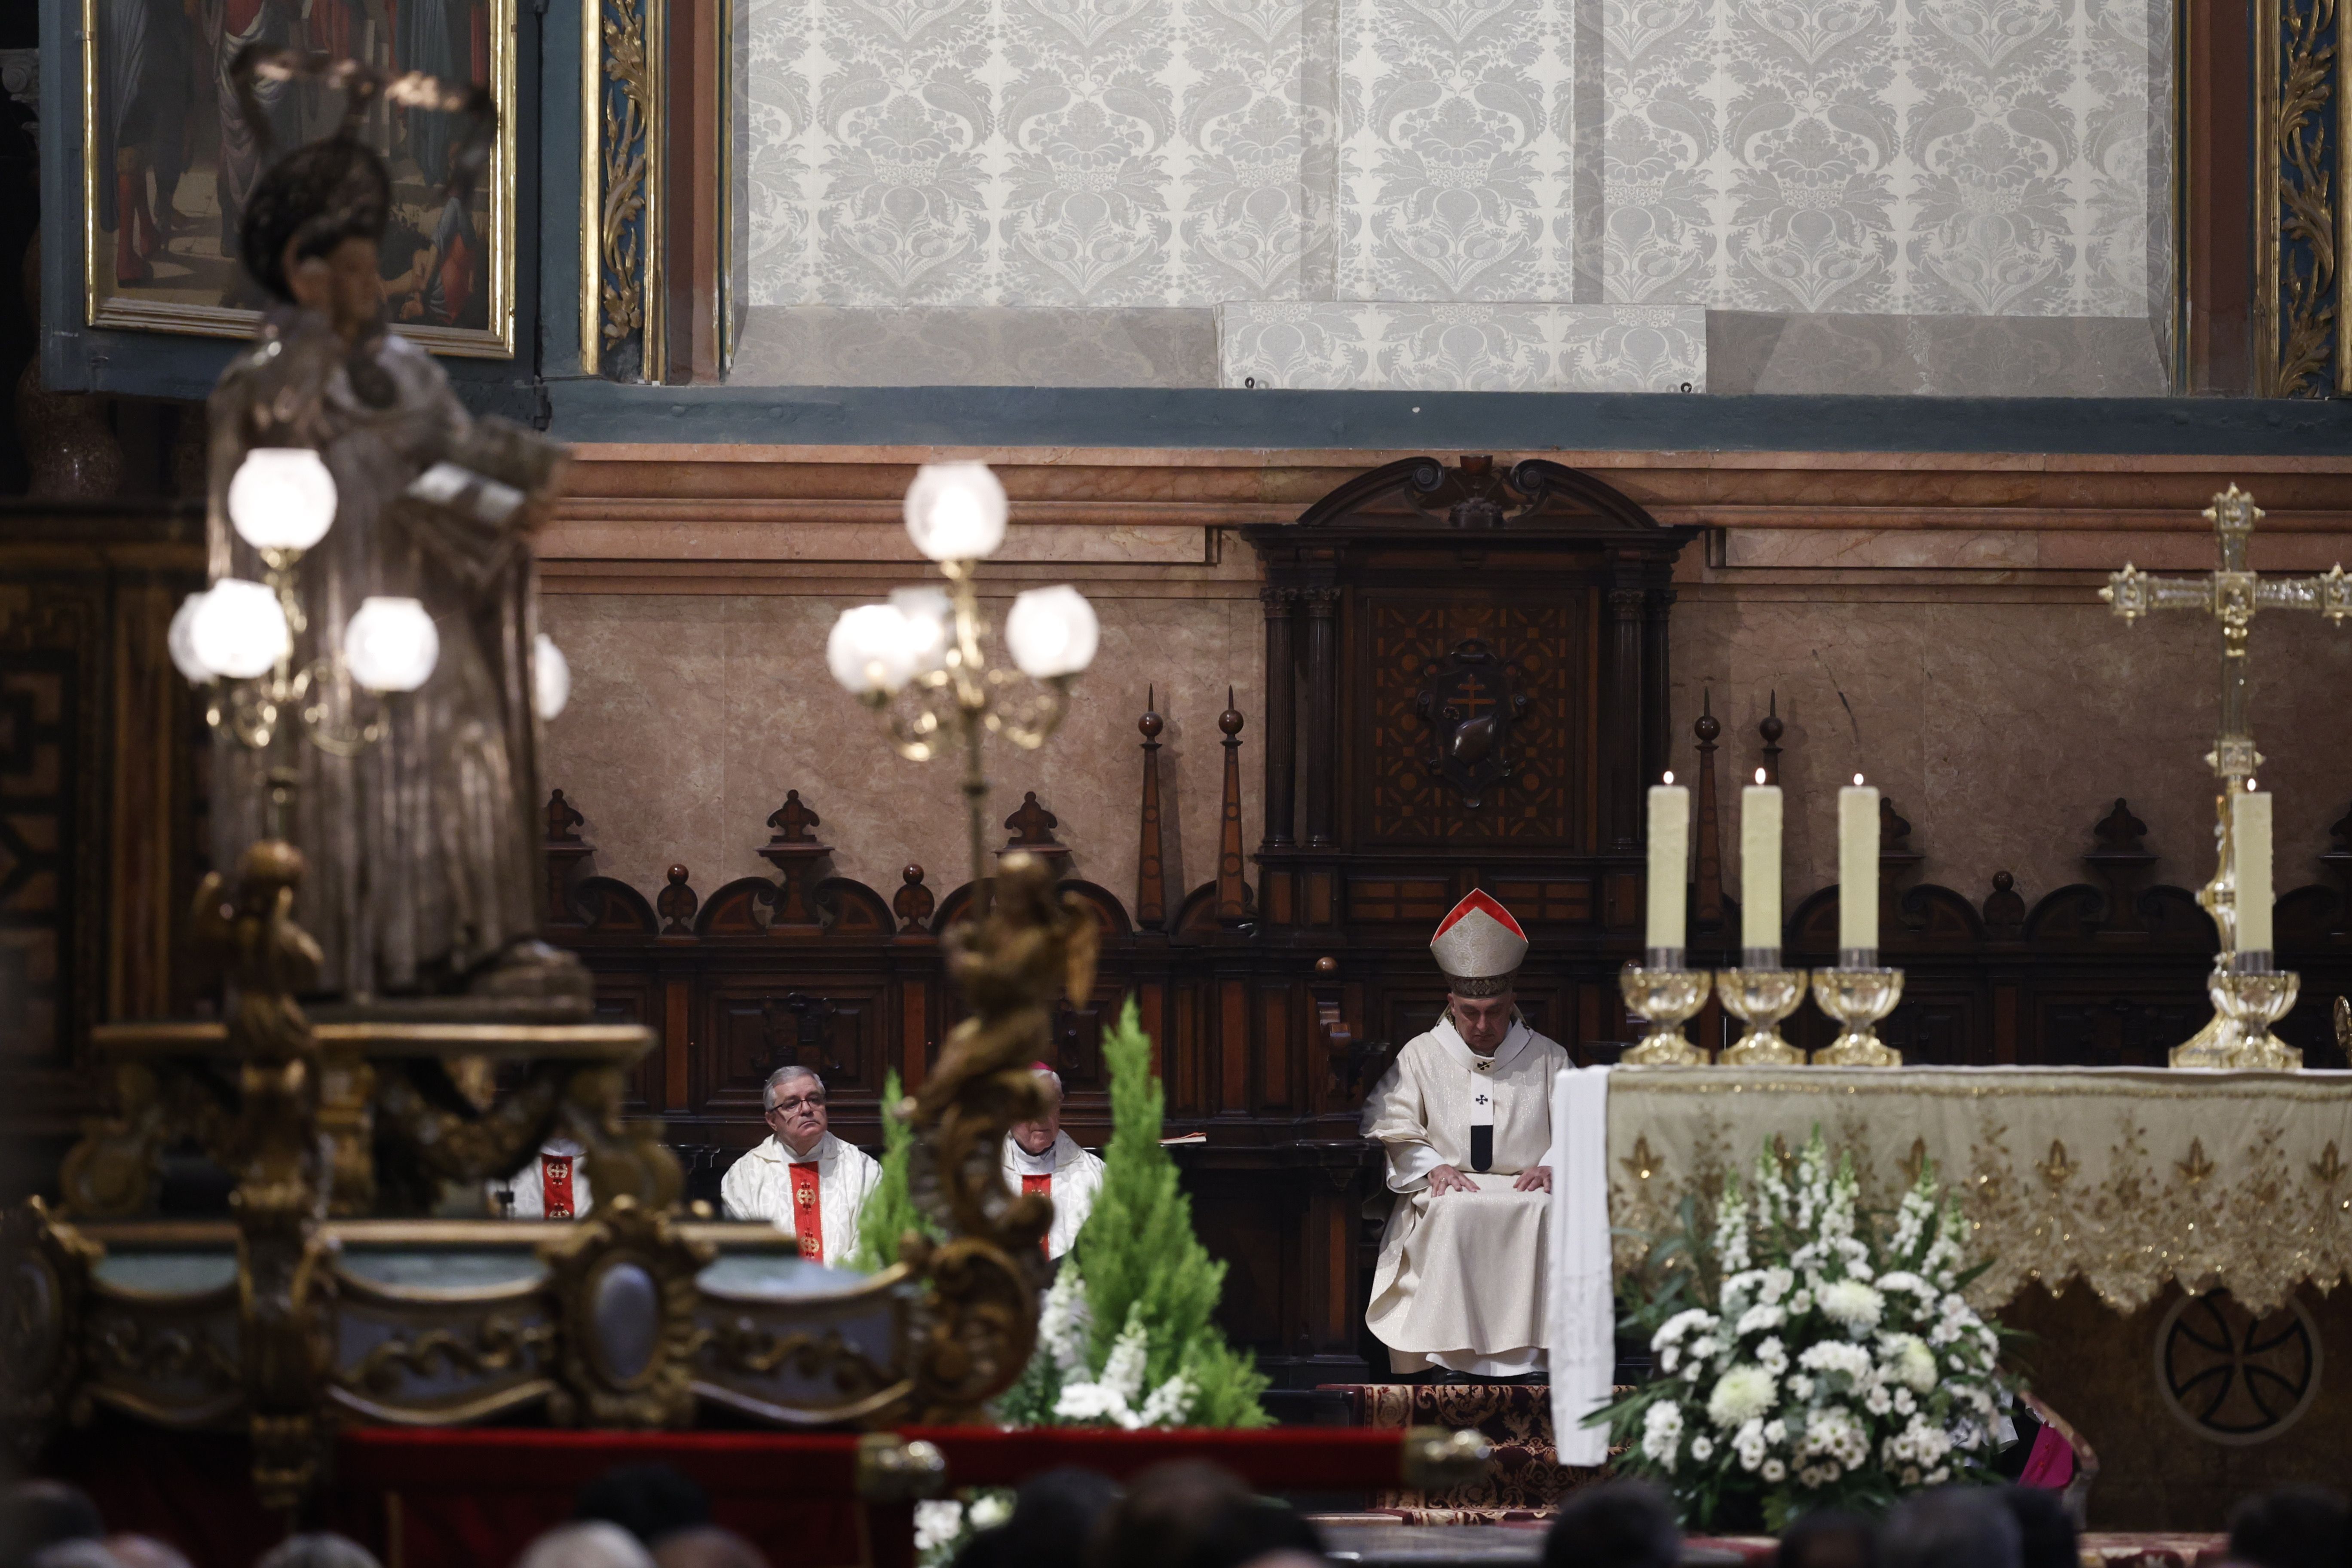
[1857, 999]
[2239, 1034]
[1760, 998]
[1666, 996]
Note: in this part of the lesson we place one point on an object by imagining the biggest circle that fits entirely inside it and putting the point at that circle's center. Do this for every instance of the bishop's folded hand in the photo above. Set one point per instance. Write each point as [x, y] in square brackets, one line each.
[1534, 1179]
[1443, 1179]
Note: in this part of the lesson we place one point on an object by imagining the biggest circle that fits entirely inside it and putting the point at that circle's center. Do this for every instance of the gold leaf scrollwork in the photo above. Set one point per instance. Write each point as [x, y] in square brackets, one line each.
[624, 222]
[622, 1263]
[41, 1297]
[746, 1348]
[498, 1343]
[2299, 68]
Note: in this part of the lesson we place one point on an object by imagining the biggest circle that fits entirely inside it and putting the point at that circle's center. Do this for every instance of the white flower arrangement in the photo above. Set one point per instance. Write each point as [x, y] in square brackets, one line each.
[1827, 1366]
[943, 1524]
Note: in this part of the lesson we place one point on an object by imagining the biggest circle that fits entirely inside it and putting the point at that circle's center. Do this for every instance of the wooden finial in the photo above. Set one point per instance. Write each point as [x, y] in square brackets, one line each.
[1772, 728]
[1233, 893]
[914, 902]
[1151, 856]
[676, 904]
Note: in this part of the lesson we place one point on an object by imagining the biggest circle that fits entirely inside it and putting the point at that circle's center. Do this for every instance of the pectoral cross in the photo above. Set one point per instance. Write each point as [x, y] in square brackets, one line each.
[1482, 1100]
[2232, 595]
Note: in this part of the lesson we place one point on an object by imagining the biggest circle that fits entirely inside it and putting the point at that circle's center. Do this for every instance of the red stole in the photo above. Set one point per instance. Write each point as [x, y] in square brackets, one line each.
[1044, 1187]
[555, 1186]
[808, 1213]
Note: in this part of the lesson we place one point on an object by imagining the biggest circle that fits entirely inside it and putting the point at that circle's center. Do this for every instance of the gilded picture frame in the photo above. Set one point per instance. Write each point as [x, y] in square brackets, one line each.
[166, 161]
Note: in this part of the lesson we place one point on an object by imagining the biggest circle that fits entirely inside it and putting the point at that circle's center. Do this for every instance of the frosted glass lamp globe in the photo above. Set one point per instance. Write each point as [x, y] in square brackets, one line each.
[238, 630]
[282, 499]
[930, 625]
[1052, 632]
[550, 677]
[390, 645]
[182, 640]
[869, 650]
[955, 512]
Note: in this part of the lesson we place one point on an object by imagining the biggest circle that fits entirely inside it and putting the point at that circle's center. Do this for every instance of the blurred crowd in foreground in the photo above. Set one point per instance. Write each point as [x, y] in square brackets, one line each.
[1194, 1515]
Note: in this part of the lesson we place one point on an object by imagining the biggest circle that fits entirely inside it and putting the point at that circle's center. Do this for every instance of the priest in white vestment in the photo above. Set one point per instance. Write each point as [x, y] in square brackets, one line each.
[1465, 1119]
[1039, 1157]
[802, 1179]
[554, 1186]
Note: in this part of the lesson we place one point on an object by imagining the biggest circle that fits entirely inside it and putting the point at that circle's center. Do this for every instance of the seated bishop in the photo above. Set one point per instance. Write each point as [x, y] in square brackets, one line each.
[802, 1179]
[1039, 1157]
[1465, 1119]
[552, 1186]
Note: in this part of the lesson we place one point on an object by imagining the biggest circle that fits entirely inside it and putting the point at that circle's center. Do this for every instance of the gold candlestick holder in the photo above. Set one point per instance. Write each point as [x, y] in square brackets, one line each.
[1760, 996]
[2246, 1003]
[1666, 994]
[1857, 998]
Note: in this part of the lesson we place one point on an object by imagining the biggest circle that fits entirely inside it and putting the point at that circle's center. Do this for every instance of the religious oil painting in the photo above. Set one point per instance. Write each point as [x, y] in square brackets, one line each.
[169, 161]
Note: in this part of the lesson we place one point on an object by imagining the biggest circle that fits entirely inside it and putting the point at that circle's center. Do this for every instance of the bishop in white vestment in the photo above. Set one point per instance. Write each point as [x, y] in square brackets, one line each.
[802, 1179]
[1465, 1119]
[1039, 1157]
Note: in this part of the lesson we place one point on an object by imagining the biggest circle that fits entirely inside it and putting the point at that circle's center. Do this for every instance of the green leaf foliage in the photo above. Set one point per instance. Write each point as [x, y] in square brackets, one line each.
[890, 1213]
[1140, 1255]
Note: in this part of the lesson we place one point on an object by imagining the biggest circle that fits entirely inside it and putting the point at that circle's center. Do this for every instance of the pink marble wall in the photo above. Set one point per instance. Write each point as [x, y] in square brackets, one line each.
[2003, 727]
[691, 715]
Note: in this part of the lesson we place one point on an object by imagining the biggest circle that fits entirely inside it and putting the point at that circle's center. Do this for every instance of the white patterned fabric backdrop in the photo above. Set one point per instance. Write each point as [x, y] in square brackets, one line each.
[1371, 159]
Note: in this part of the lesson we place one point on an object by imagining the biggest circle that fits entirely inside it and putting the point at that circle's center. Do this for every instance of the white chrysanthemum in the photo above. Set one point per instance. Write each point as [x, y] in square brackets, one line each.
[1910, 1476]
[1801, 1386]
[1662, 1432]
[1701, 1448]
[1853, 1303]
[1837, 1356]
[1776, 1431]
[936, 1525]
[1912, 1364]
[1800, 1303]
[1878, 1402]
[1808, 1477]
[1741, 1395]
[1904, 1403]
[1773, 1356]
[1774, 1470]
[990, 1509]
[1775, 1285]
[1760, 1317]
[1668, 1357]
[1671, 1330]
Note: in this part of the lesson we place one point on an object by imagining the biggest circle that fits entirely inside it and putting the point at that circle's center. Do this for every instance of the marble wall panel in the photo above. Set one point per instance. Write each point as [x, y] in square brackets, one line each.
[691, 716]
[2003, 731]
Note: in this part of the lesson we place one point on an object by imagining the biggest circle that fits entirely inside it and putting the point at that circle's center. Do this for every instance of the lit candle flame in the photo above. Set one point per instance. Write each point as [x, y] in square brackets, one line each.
[1760, 776]
[1857, 779]
[1670, 775]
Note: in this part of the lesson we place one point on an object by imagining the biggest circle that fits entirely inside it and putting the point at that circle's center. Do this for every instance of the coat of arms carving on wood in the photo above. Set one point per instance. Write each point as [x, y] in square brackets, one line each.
[1470, 700]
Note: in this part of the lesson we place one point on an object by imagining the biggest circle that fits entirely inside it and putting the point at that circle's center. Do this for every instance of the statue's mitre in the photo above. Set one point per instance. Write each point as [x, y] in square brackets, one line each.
[1479, 946]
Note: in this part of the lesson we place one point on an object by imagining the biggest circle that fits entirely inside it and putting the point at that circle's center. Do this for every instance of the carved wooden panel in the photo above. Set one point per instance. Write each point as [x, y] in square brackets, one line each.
[39, 780]
[1405, 800]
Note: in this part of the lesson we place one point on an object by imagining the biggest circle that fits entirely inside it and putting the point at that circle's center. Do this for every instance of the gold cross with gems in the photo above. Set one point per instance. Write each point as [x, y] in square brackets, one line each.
[2231, 595]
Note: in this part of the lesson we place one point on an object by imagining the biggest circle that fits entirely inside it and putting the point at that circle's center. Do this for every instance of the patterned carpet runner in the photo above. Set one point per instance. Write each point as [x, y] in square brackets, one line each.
[1527, 1482]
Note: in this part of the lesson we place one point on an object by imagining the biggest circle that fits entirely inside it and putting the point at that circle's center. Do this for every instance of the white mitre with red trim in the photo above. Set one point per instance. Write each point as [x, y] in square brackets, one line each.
[1479, 946]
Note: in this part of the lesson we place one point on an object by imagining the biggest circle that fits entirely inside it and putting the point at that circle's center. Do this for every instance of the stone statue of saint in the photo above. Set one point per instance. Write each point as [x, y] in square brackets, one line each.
[422, 842]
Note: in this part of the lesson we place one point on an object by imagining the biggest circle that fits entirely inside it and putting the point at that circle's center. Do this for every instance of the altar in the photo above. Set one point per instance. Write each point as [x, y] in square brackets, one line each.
[2171, 1241]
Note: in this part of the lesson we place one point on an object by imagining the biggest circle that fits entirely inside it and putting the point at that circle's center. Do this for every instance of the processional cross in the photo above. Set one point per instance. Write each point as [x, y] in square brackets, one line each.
[2232, 595]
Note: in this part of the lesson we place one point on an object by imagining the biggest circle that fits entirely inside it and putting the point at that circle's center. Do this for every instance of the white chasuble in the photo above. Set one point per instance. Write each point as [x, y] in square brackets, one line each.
[554, 1186]
[1066, 1174]
[760, 1186]
[1463, 1276]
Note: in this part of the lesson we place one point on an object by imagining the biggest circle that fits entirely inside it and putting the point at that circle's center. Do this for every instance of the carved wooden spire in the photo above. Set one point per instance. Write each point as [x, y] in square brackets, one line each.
[1707, 908]
[1151, 866]
[794, 852]
[1032, 833]
[564, 851]
[1233, 896]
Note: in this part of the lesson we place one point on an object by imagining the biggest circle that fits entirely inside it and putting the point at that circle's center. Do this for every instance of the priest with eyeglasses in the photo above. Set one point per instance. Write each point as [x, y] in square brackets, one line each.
[1463, 1118]
[802, 1179]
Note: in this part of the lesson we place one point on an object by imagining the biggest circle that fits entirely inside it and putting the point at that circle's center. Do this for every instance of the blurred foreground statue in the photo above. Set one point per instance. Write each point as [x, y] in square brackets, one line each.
[413, 807]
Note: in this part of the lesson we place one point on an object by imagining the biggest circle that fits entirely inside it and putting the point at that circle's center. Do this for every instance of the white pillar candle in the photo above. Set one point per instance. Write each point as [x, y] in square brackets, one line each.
[1857, 866]
[2250, 866]
[1759, 864]
[1669, 857]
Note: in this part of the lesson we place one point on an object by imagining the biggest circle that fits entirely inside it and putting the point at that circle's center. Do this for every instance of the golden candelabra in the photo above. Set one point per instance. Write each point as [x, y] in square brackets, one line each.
[1760, 997]
[1666, 994]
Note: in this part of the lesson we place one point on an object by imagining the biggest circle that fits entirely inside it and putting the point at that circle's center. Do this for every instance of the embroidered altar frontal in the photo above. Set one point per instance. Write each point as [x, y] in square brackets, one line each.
[2128, 1180]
